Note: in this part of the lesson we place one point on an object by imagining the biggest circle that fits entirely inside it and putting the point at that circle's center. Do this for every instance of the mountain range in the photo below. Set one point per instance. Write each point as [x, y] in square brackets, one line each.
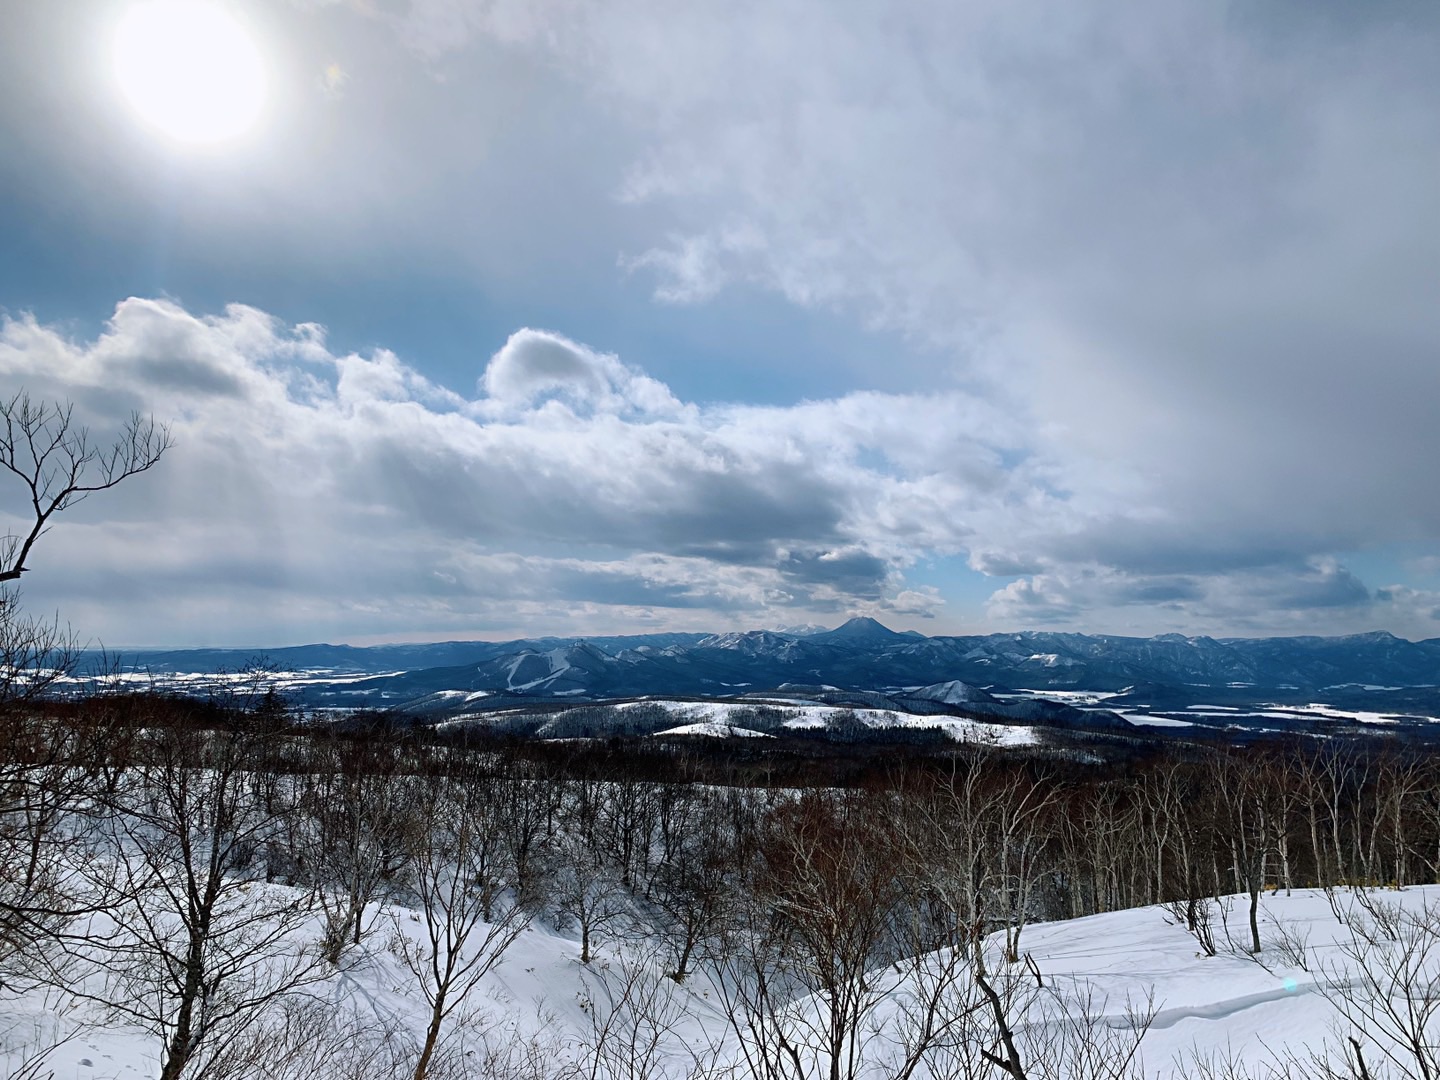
[860, 655]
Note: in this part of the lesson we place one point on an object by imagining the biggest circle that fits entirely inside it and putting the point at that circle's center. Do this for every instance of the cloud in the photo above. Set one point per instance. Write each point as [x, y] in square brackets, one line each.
[1411, 607]
[1183, 248]
[1159, 277]
[313, 492]
[852, 573]
[533, 363]
[694, 268]
[1284, 597]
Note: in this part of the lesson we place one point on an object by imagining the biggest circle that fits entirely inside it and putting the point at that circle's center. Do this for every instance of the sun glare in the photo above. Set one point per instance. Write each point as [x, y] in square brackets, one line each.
[190, 70]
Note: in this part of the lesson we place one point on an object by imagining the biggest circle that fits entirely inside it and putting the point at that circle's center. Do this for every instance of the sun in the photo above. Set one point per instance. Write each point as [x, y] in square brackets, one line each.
[190, 70]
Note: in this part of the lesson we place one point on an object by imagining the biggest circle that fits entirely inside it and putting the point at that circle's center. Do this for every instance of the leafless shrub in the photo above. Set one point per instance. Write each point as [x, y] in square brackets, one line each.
[633, 1012]
[1385, 989]
[467, 914]
[1197, 915]
[27, 1041]
[1291, 943]
[1229, 1064]
[489, 1040]
[1381, 917]
[1075, 1038]
[197, 951]
[303, 1038]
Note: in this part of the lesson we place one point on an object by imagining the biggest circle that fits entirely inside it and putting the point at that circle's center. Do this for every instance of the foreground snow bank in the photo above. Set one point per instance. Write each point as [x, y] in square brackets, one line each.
[540, 1012]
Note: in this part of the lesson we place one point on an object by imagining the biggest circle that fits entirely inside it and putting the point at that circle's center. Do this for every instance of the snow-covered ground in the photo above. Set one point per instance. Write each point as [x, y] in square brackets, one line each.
[539, 996]
[1145, 719]
[715, 718]
[221, 682]
[1204, 713]
[1078, 698]
[716, 729]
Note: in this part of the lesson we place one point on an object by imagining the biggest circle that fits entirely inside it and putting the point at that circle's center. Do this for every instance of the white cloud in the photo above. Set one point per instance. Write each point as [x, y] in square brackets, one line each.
[1185, 247]
[313, 493]
[533, 363]
[695, 268]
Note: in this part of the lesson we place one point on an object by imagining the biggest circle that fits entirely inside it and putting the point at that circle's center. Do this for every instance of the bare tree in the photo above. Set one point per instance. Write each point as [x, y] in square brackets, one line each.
[692, 885]
[46, 774]
[586, 892]
[1402, 783]
[57, 465]
[626, 826]
[1162, 809]
[806, 962]
[35, 653]
[359, 819]
[55, 460]
[1240, 786]
[465, 885]
[1021, 808]
[200, 948]
[943, 832]
[530, 809]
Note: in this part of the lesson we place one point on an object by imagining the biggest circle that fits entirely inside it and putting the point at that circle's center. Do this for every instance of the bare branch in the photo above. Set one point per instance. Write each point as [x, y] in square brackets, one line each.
[58, 465]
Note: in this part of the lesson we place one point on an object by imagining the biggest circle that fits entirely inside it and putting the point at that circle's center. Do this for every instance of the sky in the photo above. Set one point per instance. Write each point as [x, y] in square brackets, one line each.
[497, 319]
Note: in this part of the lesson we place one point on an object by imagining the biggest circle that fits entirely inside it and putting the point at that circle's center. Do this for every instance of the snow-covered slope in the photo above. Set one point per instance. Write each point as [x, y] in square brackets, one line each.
[1289, 1001]
[721, 719]
[953, 692]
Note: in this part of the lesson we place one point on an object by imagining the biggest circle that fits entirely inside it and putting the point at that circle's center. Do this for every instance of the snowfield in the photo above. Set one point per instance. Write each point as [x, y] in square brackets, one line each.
[1145, 719]
[715, 729]
[714, 718]
[540, 1002]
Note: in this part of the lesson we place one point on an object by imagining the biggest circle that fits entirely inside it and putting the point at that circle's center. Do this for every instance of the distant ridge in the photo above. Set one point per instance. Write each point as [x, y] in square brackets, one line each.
[859, 655]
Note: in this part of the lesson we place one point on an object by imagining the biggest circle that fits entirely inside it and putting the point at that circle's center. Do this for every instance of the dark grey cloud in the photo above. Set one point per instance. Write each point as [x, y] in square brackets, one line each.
[630, 587]
[1269, 599]
[1322, 586]
[1162, 591]
[1150, 549]
[616, 487]
[850, 573]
